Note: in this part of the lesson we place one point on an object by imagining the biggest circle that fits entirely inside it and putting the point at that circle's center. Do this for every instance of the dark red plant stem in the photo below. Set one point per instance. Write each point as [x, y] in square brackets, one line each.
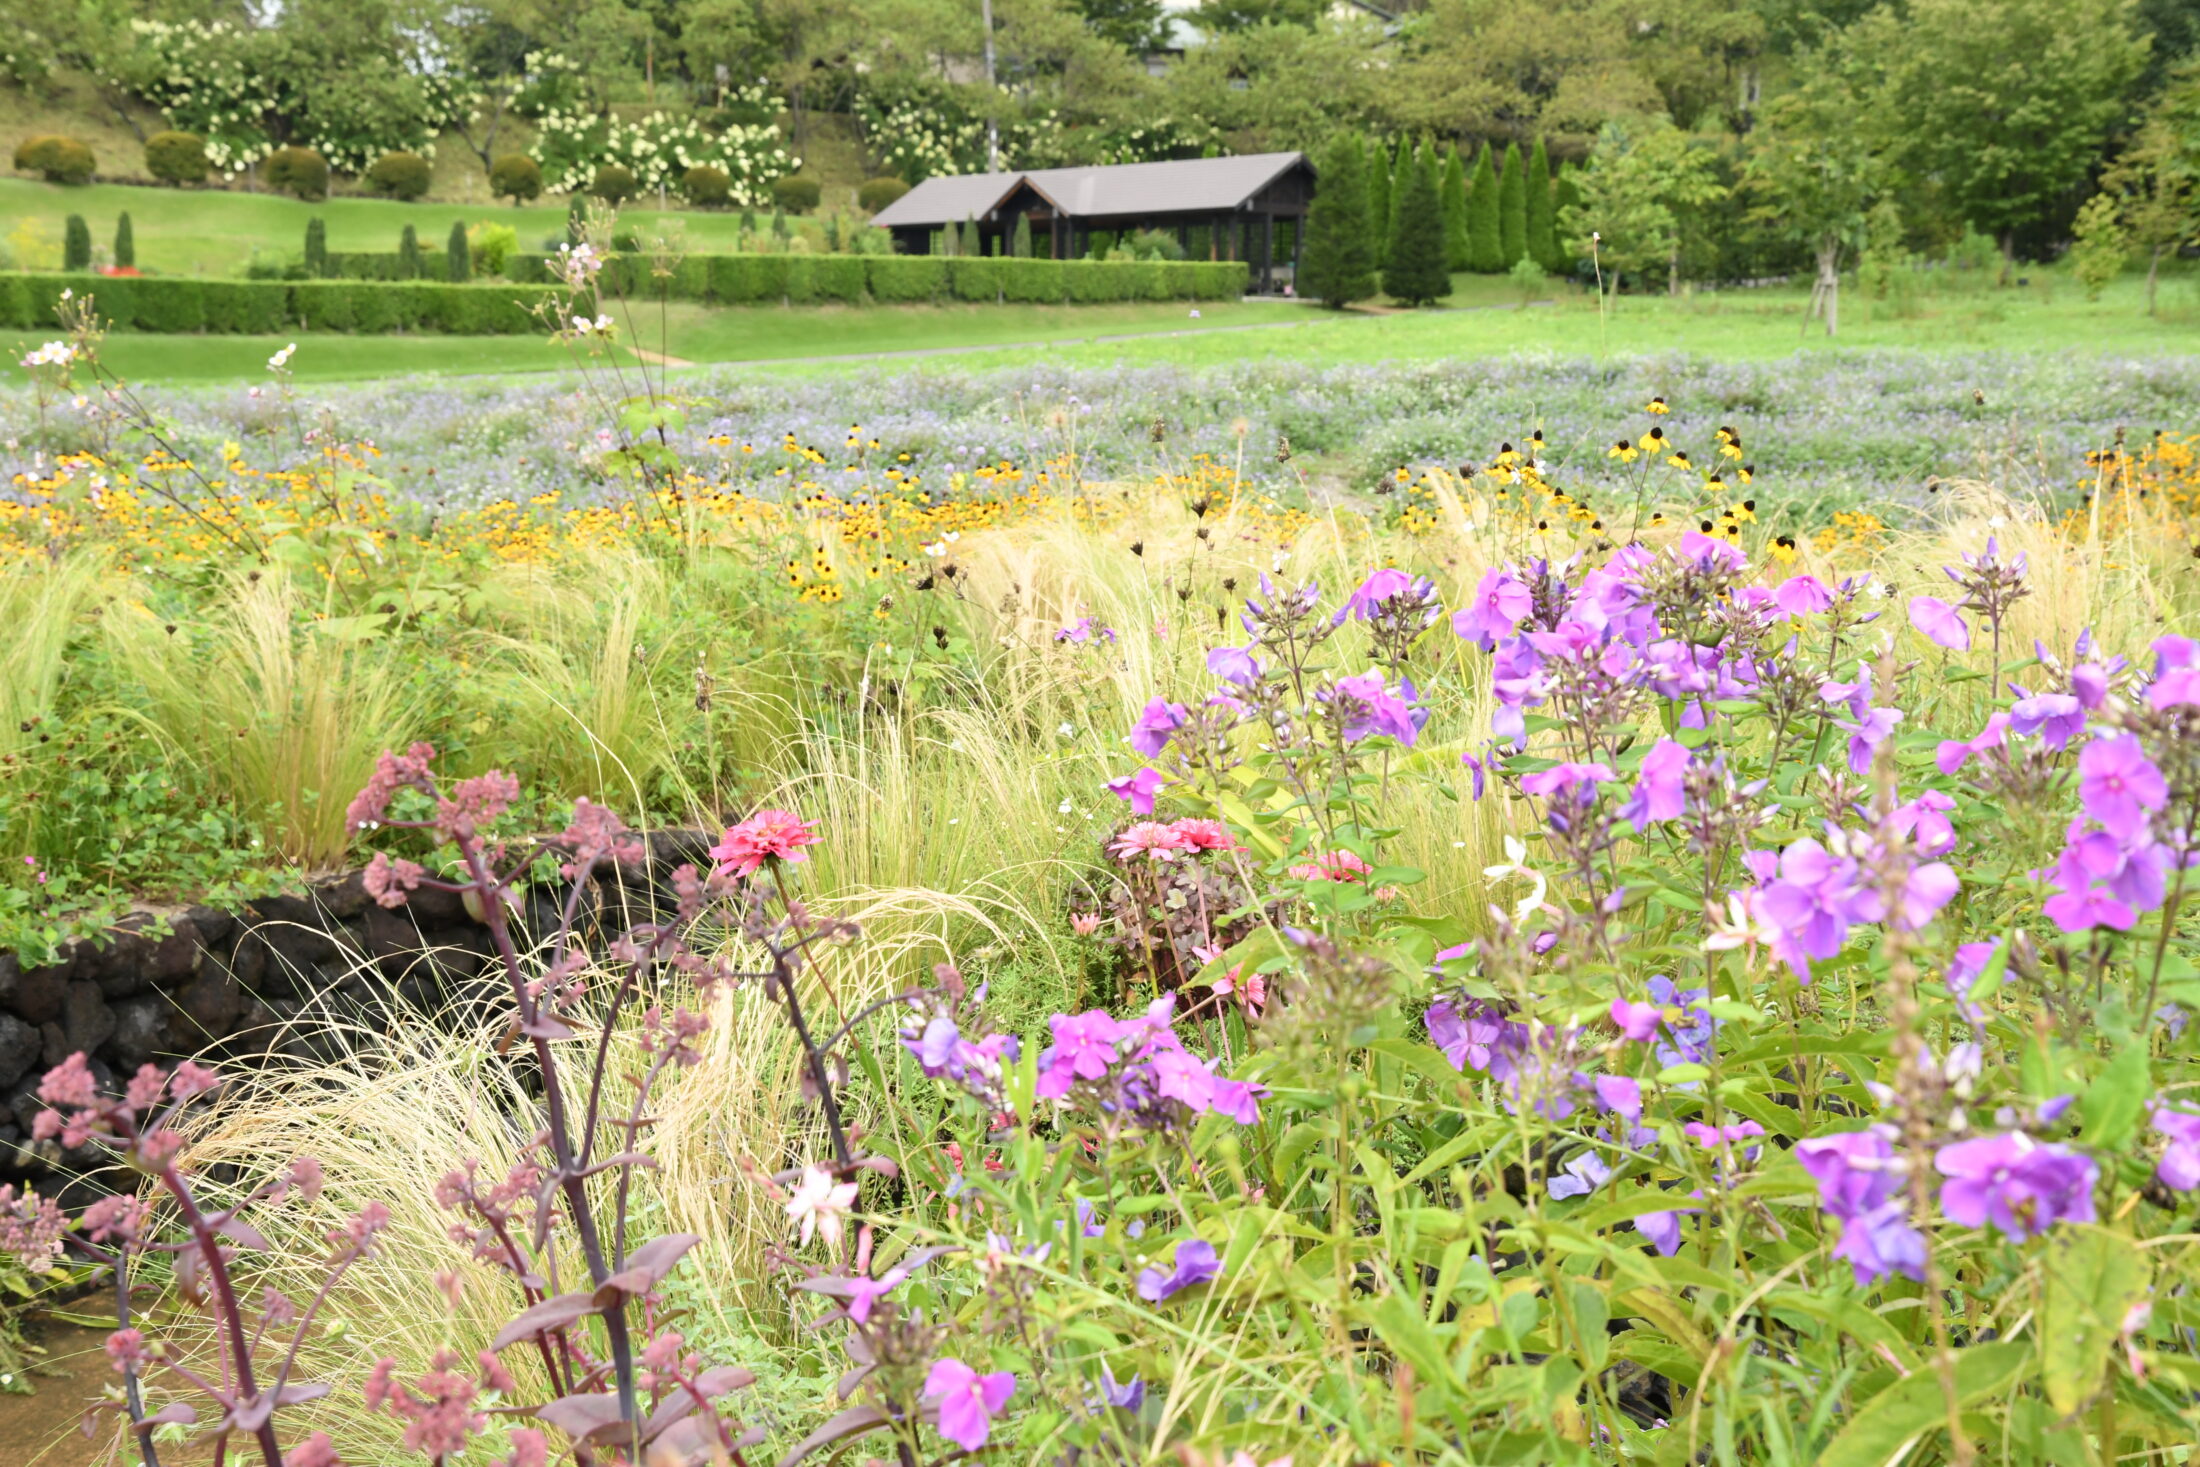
[225, 1294]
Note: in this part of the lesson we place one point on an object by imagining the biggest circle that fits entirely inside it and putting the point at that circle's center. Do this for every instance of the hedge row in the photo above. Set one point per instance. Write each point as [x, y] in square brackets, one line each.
[266, 307]
[806, 279]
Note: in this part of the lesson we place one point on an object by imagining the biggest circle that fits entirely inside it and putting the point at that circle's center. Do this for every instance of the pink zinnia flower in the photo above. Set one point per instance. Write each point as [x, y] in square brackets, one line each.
[1336, 866]
[768, 835]
[1205, 835]
[1148, 838]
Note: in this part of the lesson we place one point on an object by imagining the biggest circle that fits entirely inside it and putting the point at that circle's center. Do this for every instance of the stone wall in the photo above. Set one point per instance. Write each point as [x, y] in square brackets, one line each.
[269, 979]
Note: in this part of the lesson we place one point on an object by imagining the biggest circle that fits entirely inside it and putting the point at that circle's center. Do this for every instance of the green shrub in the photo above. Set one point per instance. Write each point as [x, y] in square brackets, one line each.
[905, 278]
[613, 183]
[298, 171]
[115, 299]
[379, 306]
[458, 258]
[169, 305]
[323, 305]
[837, 278]
[408, 254]
[706, 187]
[1030, 281]
[1153, 244]
[57, 159]
[796, 194]
[875, 194]
[403, 176]
[490, 247]
[317, 264]
[125, 243]
[15, 303]
[973, 279]
[517, 177]
[76, 244]
[245, 307]
[176, 157]
[736, 280]
[1092, 281]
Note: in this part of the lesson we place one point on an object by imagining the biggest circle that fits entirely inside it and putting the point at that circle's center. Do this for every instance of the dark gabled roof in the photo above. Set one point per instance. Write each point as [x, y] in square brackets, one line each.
[1123, 190]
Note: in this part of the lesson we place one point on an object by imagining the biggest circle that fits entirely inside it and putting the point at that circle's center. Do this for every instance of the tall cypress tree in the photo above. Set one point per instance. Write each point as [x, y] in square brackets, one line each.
[1376, 164]
[76, 244]
[317, 247]
[1512, 207]
[1022, 244]
[1401, 171]
[408, 254]
[972, 244]
[1454, 192]
[1338, 265]
[125, 243]
[1542, 217]
[1418, 272]
[459, 266]
[1485, 249]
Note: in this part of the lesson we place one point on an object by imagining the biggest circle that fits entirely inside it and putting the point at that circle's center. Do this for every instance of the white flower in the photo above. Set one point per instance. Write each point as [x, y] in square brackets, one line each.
[52, 354]
[818, 1204]
[281, 359]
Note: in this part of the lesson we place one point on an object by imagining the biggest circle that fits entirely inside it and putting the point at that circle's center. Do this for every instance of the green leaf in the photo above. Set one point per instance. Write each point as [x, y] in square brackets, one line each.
[1883, 1428]
[2092, 1277]
[2115, 1100]
[1403, 1329]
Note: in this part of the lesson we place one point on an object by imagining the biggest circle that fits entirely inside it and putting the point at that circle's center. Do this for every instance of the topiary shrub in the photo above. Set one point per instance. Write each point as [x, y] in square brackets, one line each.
[458, 256]
[706, 187]
[403, 176]
[125, 243]
[76, 244]
[57, 159]
[298, 171]
[796, 194]
[517, 177]
[613, 183]
[176, 157]
[876, 193]
[316, 248]
[490, 247]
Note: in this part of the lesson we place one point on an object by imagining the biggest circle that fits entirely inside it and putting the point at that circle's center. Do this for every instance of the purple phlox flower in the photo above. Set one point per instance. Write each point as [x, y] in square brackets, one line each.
[2048, 1112]
[2089, 684]
[1567, 779]
[1620, 1095]
[1812, 904]
[2103, 882]
[1803, 596]
[2172, 1018]
[2056, 717]
[865, 1292]
[1865, 736]
[1128, 1396]
[1475, 771]
[2177, 688]
[1084, 630]
[1855, 1170]
[1499, 604]
[2118, 785]
[1659, 788]
[1940, 623]
[2179, 1168]
[1239, 1100]
[1138, 789]
[1183, 1077]
[1195, 1263]
[1233, 664]
[1476, 1037]
[1954, 753]
[935, 1045]
[1086, 1226]
[1925, 821]
[1637, 1021]
[1583, 1175]
[1160, 720]
[1857, 695]
[2173, 652]
[1692, 1032]
[1880, 1242]
[968, 1401]
[1372, 708]
[1711, 1137]
[2015, 1183]
[1367, 599]
[1964, 970]
[1663, 1229]
[1084, 1048]
[1710, 552]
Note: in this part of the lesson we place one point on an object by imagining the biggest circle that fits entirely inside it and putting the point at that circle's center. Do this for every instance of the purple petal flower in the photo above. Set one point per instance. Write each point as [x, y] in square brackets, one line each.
[1474, 770]
[1621, 1096]
[1803, 596]
[1139, 789]
[1128, 1396]
[1881, 1242]
[1963, 971]
[968, 1401]
[1637, 1021]
[2013, 1182]
[1659, 790]
[1954, 753]
[1161, 719]
[1496, 611]
[1940, 623]
[1583, 1175]
[1364, 602]
[1663, 1229]
[1233, 664]
[1567, 778]
[1371, 708]
[1853, 1170]
[2118, 785]
[2056, 717]
[2179, 1168]
[1195, 1263]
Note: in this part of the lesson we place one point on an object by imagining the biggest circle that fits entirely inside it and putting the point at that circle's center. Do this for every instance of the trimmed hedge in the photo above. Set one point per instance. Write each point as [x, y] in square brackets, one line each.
[267, 307]
[899, 278]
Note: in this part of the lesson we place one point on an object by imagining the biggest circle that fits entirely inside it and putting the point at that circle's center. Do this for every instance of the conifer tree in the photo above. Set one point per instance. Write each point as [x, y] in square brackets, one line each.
[317, 248]
[1454, 190]
[1542, 216]
[1512, 207]
[76, 244]
[1338, 266]
[408, 254]
[1376, 164]
[460, 261]
[1401, 170]
[1418, 271]
[1485, 248]
[972, 244]
[1023, 237]
[125, 243]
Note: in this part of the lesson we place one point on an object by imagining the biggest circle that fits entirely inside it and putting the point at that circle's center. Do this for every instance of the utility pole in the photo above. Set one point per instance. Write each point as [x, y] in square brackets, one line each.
[992, 121]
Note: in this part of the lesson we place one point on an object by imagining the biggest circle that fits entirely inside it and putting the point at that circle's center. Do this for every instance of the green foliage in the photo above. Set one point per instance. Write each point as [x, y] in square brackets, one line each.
[300, 172]
[402, 176]
[125, 242]
[971, 278]
[1419, 272]
[56, 159]
[2103, 245]
[1512, 208]
[706, 186]
[458, 255]
[1380, 182]
[1337, 266]
[874, 194]
[490, 247]
[613, 183]
[1400, 172]
[317, 247]
[796, 193]
[1542, 214]
[76, 244]
[1638, 194]
[408, 254]
[176, 157]
[906, 279]
[1485, 232]
[972, 244]
[1020, 243]
[1457, 251]
[517, 177]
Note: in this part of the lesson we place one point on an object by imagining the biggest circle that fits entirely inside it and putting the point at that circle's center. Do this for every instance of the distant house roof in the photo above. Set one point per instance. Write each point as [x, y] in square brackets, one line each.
[1186, 186]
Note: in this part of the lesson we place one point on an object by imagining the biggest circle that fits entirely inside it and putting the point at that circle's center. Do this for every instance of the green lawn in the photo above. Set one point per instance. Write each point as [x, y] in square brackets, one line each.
[214, 231]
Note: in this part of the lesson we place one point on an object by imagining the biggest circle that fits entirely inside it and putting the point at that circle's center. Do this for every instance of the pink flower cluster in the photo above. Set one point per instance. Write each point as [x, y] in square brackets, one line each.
[1137, 1069]
[1163, 841]
[768, 835]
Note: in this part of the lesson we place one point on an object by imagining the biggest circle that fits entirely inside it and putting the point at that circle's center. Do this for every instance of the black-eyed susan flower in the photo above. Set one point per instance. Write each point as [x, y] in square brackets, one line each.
[1657, 407]
[1624, 451]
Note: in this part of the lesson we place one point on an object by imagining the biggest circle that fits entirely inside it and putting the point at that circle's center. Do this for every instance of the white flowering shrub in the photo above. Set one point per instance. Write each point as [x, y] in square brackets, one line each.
[206, 78]
[571, 144]
[920, 137]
